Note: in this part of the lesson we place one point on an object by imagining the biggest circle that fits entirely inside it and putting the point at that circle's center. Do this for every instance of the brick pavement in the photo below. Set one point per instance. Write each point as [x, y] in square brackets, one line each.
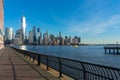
[14, 66]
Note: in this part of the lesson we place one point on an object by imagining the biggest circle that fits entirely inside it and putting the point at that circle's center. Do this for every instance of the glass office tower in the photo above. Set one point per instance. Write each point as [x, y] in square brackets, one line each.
[23, 22]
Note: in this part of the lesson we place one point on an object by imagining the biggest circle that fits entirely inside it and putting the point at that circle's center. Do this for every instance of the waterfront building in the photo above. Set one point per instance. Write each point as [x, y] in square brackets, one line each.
[69, 40]
[38, 36]
[18, 35]
[16, 41]
[13, 35]
[59, 34]
[41, 40]
[45, 38]
[66, 40]
[8, 35]
[30, 39]
[23, 27]
[1, 23]
[34, 34]
[79, 40]
[62, 41]
[51, 38]
[76, 40]
[59, 39]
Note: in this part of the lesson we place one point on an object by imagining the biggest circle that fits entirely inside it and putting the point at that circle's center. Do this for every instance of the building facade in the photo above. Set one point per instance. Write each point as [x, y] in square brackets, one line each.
[30, 38]
[34, 34]
[23, 23]
[38, 36]
[1, 23]
[8, 35]
[19, 36]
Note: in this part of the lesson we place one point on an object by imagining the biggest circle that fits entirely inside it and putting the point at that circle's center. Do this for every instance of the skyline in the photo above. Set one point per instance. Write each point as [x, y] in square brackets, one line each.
[94, 21]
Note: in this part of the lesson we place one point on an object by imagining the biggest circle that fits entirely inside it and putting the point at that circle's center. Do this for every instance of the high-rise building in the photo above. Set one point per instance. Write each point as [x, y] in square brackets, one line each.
[16, 41]
[59, 34]
[38, 36]
[1, 22]
[51, 38]
[8, 35]
[23, 27]
[41, 41]
[18, 35]
[45, 38]
[60, 39]
[66, 40]
[34, 34]
[30, 39]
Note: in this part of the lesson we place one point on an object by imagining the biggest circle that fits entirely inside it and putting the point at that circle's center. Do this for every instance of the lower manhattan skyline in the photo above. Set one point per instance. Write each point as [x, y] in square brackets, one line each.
[94, 21]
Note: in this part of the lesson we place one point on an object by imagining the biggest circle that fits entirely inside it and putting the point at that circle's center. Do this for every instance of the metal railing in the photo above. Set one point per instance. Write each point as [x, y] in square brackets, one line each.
[77, 70]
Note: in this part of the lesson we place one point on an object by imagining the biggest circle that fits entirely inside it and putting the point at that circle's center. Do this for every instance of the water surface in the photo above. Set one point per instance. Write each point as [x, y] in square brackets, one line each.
[93, 54]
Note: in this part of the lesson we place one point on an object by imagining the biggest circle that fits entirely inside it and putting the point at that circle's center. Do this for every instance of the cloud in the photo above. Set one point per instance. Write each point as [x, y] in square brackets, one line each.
[95, 26]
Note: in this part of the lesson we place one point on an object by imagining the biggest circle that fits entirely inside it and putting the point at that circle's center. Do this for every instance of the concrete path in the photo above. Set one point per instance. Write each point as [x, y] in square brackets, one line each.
[13, 66]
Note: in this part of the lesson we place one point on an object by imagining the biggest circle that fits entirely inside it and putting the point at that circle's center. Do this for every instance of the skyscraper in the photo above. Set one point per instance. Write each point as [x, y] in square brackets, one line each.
[8, 35]
[30, 39]
[18, 35]
[1, 23]
[34, 34]
[45, 38]
[59, 34]
[38, 36]
[23, 21]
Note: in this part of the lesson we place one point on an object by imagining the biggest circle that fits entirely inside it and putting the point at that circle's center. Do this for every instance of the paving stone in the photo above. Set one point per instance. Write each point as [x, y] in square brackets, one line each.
[13, 66]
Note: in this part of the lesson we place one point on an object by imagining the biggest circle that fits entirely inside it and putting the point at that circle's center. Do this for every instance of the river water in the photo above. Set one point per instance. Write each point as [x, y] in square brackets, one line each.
[92, 54]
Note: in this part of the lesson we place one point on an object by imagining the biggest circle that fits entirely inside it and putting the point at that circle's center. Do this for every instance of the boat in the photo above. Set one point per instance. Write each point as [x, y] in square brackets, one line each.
[75, 46]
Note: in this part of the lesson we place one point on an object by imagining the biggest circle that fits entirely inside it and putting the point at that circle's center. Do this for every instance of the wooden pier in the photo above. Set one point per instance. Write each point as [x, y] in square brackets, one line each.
[112, 50]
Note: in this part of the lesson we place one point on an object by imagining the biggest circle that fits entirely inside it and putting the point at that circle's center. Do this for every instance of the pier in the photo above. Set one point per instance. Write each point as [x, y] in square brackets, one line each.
[112, 50]
[13, 66]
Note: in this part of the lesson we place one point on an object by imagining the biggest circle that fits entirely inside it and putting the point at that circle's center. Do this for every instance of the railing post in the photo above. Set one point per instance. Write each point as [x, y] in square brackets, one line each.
[39, 59]
[33, 56]
[113, 50]
[60, 67]
[47, 62]
[117, 51]
[29, 55]
[109, 51]
[84, 71]
[24, 54]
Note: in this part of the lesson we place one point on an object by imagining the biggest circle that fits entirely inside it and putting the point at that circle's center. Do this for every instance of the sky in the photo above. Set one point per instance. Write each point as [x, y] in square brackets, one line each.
[95, 21]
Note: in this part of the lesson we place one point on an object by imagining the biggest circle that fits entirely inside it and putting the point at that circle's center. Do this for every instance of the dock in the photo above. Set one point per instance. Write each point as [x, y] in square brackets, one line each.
[112, 50]
[15, 67]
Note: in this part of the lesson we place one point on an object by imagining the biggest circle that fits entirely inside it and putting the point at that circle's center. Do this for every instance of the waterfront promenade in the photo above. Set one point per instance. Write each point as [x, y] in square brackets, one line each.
[13, 66]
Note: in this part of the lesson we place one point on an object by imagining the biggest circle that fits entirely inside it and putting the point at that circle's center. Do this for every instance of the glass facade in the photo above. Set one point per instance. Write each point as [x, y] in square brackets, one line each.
[8, 34]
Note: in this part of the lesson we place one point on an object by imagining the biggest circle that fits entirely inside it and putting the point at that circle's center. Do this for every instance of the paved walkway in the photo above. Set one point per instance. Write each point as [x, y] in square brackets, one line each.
[15, 67]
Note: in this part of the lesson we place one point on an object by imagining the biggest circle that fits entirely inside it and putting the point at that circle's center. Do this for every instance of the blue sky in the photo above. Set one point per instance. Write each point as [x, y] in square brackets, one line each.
[95, 21]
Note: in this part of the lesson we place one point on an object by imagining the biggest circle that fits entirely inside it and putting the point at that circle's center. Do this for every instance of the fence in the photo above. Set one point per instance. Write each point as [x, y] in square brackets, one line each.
[77, 70]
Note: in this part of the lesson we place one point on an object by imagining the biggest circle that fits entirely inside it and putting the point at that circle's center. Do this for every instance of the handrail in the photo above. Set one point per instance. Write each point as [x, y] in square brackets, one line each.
[77, 70]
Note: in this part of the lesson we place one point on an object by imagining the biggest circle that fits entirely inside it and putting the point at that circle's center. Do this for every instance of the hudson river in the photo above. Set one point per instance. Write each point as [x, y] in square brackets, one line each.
[92, 54]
